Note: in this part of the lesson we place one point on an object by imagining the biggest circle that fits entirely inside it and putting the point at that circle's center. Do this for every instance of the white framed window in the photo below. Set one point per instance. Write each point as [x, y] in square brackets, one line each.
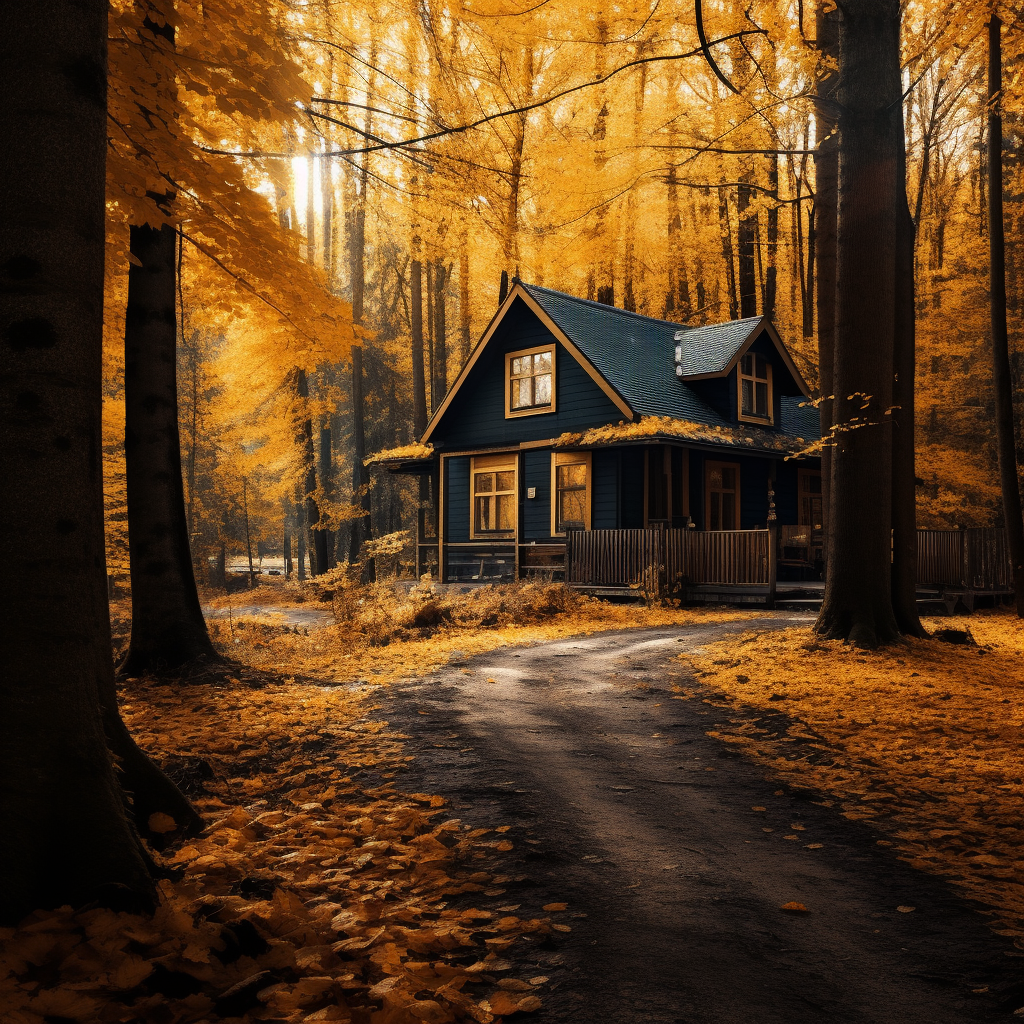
[754, 384]
[530, 381]
[571, 488]
[494, 499]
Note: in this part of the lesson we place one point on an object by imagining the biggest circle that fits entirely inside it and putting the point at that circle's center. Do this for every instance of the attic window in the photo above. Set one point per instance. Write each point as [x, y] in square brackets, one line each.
[530, 381]
[754, 381]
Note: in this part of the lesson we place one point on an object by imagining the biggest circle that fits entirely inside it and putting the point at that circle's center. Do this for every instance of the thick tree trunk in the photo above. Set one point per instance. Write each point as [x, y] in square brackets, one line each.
[858, 604]
[1002, 380]
[168, 629]
[56, 776]
[362, 529]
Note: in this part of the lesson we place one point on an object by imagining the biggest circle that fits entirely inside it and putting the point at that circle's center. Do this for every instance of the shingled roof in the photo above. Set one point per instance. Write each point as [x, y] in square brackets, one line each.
[635, 355]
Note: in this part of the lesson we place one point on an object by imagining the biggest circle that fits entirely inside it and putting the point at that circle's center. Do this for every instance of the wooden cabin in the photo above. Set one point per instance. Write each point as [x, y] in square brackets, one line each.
[574, 422]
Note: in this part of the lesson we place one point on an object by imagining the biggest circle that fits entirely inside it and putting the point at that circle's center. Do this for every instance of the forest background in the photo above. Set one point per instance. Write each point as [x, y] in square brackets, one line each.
[342, 235]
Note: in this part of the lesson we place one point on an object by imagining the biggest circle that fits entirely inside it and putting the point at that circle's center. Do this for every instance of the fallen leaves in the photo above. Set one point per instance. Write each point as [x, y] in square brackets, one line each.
[794, 908]
[921, 738]
[322, 898]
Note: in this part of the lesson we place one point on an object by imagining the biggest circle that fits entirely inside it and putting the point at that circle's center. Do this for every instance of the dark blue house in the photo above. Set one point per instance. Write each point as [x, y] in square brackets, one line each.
[573, 416]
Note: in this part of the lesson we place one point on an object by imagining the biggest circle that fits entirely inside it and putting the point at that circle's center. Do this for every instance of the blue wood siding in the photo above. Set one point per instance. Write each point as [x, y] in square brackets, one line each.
[604, 507]
[697, 488]
[476, 417]
[753, 492]
[456, 499]
[786, 496]
[537, 511]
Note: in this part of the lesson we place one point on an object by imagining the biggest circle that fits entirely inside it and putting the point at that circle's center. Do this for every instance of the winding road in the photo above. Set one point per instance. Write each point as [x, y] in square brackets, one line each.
[675, 854]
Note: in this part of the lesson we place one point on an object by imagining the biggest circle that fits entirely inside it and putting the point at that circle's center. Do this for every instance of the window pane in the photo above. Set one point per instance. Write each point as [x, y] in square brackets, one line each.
[521, 393]
[507, 481]
[728, 479]
[483, 514]
[542, 362]
[748, 397]
[572, 508]
[575, 474]
[506, 517]
[762, 367]
[746, 364]
[728, 511]
[762, 399]
[520, 366]
[484, 483]
[715, 479]
[542, 393]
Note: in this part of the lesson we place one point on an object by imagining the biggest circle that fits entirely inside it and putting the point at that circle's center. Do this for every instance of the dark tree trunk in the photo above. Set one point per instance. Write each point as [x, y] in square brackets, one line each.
[419, 384]
[312, 513]
[429, 339]
[725, 229]
[858, 604]
[324, 538]
[772, 240]
[465, 339]
[168, 629]
[440, 334]
[1002, 380]
[904, 475]
[56, 776]
[746, 239]
[826, 201]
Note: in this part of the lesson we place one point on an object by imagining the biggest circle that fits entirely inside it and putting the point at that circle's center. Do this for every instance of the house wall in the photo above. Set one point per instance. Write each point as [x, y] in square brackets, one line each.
[476, 417]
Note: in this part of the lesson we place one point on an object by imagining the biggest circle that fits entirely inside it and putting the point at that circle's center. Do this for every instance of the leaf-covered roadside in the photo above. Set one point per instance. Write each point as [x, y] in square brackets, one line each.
[921, 738]
[313, 894]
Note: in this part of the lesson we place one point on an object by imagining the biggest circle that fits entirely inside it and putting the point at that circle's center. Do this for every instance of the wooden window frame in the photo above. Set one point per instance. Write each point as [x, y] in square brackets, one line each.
[571, 458]
[709, 464]
[741, 377]
[533, 410]
[503, 462]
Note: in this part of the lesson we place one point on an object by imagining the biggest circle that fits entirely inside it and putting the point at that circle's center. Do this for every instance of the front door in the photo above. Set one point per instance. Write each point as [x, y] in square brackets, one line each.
[723, 495]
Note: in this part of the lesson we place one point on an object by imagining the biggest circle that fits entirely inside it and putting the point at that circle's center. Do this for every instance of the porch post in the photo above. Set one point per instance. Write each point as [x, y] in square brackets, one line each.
[773, 541]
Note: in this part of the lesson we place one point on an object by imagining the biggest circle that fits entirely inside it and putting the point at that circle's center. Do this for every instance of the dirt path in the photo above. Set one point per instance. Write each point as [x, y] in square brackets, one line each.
[623, 807]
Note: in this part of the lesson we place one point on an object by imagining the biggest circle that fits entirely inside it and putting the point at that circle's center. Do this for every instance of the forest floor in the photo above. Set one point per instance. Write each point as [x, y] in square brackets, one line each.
[518, 801]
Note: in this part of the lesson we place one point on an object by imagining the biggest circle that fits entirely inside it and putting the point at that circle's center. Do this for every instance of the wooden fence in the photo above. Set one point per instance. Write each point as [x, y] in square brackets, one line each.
[974, 559]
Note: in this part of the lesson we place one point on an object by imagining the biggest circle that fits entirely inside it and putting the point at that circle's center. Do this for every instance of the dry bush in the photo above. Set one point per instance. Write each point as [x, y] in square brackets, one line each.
[386, 611]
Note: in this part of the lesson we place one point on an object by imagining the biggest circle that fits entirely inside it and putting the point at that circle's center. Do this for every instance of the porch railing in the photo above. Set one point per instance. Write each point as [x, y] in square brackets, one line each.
[975, 559]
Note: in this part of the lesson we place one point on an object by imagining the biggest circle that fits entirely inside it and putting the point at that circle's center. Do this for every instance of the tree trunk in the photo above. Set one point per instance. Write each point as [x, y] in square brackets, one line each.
[168, 629]
[440, 334]
[904, 475]
[419, 384]
[826, 200]
[745, 244]
[465, 338]
[1002, 380]
[312, 513]
[772, 241]
[858, 604]
[725, 230]
[56, 776]
[324, 538]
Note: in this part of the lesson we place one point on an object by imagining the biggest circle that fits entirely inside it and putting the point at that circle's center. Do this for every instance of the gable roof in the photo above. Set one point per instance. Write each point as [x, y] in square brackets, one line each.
[632, 357]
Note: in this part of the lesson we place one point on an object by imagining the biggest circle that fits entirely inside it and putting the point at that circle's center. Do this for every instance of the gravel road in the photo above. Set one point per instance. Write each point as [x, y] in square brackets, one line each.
[671, 850]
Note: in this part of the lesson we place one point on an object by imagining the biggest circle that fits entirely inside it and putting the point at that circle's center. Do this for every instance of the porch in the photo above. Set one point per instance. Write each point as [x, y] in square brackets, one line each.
[957, 569]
